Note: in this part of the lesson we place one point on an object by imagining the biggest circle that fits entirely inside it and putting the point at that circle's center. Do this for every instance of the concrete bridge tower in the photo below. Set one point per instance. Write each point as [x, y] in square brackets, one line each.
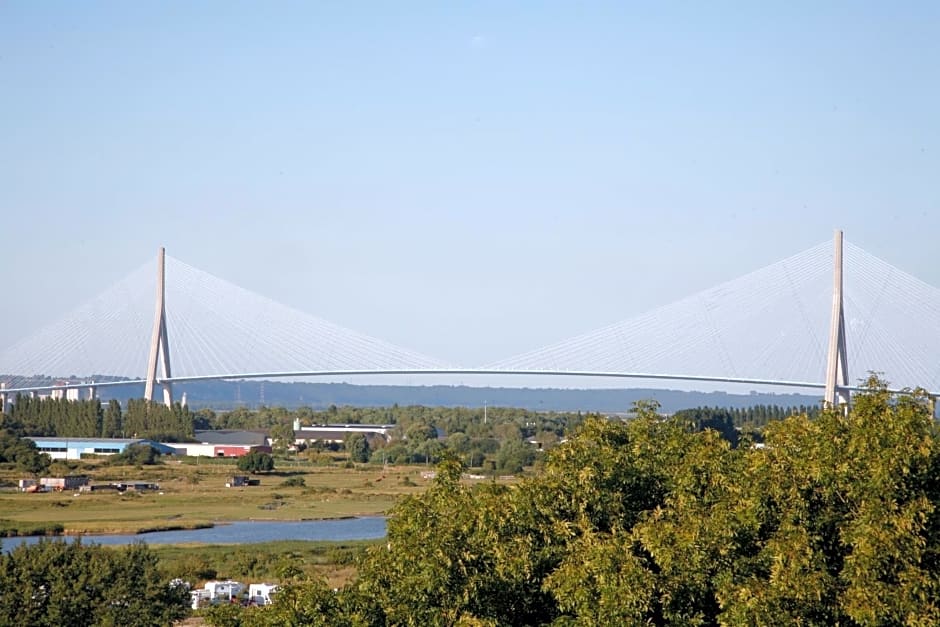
[837, 373]
[159, 343]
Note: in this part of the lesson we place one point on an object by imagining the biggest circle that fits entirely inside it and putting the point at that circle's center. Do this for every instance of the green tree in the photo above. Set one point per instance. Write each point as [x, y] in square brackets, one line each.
[282, 436]
[304, 603]
[848, 507]
[141, 454]
[421, 432]
[834, 521]
[513, 455]
[255, 462]
[831, 523]
[22, 452]
[357, 446]
[228, 615]
[655, 521]
[112, 425]
[454, 556]
[69, 583]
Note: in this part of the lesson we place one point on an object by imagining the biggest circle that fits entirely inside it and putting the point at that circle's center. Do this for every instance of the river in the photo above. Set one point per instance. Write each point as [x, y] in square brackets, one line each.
[241, 532]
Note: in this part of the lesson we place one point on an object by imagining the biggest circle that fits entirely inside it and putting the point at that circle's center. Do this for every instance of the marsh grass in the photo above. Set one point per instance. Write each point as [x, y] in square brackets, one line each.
[272, 562]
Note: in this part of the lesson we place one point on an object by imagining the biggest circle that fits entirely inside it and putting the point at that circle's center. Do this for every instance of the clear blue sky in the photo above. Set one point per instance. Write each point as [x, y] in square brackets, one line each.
[471, 180]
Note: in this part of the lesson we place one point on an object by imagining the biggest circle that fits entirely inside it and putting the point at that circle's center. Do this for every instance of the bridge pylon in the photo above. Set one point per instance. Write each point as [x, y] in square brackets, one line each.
[837, 371]
[159, 342]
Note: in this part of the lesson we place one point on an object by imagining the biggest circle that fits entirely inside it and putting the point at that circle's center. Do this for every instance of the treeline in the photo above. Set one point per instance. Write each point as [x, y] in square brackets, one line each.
[46, 417]
[496, 438]
[474, 421]
[834, 521]
[504, 447]
[756, 416]
[731, 422]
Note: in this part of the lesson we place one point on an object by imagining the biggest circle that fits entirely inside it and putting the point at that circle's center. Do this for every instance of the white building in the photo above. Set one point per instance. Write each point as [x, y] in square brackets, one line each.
[199, 597]
[260, 593]
[224, 589]
[74, 448]
[337, 432]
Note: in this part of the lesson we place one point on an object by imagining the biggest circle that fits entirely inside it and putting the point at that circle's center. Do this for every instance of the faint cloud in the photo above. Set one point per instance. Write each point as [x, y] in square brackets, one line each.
[478, 41]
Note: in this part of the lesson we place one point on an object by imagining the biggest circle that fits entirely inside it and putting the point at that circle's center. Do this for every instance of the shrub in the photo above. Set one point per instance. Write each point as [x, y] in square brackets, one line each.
[255, 462]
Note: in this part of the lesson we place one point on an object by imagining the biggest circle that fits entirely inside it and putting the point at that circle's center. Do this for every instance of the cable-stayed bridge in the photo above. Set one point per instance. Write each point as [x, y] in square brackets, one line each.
[812, 320]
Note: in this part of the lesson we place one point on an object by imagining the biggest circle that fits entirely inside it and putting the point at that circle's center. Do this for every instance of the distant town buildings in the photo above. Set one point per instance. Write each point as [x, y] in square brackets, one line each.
[207, 443]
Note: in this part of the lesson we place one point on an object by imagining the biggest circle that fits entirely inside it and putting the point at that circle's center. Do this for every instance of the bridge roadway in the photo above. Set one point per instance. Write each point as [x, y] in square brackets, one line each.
[444, 371]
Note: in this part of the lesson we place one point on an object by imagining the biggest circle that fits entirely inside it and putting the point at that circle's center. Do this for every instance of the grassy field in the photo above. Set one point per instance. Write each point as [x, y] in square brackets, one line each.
[194, 494]
[267, 561]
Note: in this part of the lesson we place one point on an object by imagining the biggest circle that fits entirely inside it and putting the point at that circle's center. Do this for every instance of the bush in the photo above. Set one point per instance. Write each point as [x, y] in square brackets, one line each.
[23, 453]
[255, 462]
[70, 583]
[136, 455]
[358, 448]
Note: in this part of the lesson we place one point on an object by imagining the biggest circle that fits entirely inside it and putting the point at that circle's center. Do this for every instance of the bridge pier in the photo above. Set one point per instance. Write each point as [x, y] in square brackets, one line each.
[3, 398]
[159, 343]
[837, 372]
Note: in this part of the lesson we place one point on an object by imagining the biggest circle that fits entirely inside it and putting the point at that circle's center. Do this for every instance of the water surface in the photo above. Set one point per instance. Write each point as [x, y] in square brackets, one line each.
[242, 532]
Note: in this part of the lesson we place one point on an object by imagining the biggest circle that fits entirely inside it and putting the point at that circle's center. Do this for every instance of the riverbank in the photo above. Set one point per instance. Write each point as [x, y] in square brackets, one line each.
[11, 529]
[272, 550]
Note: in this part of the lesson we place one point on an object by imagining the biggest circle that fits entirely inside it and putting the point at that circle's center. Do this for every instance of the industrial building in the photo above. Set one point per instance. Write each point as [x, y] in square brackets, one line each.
[74, 448]
[223, 443]
[337, 432]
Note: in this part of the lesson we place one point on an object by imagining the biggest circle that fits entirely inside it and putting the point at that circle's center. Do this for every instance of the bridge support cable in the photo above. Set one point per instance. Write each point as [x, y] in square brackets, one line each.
[768, 325]
[159, 341]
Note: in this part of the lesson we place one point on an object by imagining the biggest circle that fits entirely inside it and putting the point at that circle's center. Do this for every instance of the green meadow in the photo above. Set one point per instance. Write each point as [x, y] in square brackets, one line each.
[194, 494]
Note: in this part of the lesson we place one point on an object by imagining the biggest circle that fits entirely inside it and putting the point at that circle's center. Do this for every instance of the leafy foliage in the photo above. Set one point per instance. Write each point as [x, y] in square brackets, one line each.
[833, 520]
[87, 419]
[22, 452]
[141, 454]
[307, 602]
[476, 436]
[255, 462]
[282, 435]
[723, 419]
[358, 447]
[69, 583]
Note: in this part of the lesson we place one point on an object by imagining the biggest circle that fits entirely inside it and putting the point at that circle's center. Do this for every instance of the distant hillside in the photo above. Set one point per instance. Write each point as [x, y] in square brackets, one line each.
[230, 394]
